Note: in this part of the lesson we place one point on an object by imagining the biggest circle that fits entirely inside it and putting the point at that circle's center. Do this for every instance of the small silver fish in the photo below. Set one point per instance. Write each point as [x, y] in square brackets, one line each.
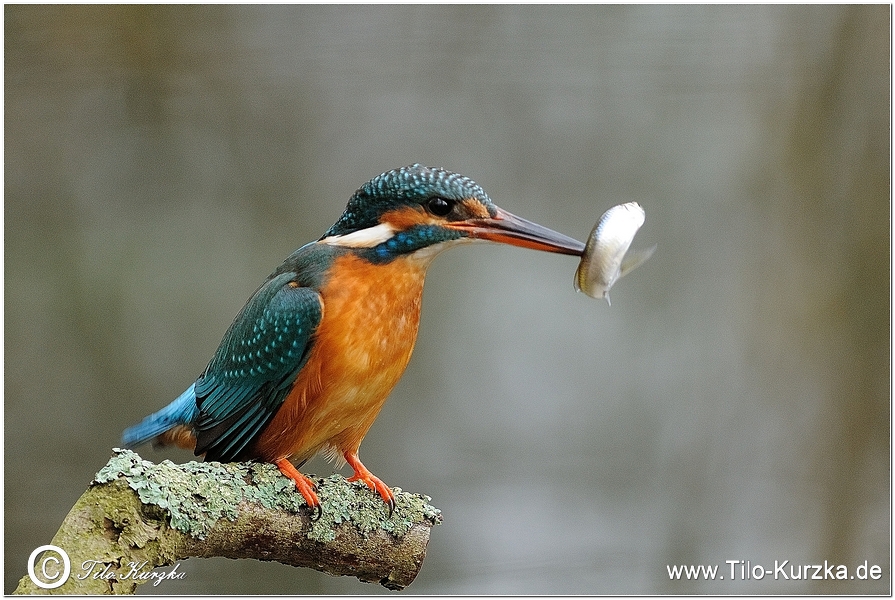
[606, 258]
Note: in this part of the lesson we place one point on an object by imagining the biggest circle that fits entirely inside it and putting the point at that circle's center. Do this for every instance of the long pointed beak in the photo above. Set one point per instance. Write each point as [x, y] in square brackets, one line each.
[507, 228]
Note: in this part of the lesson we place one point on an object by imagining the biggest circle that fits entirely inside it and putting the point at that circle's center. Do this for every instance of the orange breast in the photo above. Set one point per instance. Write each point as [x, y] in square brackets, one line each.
[361, 348]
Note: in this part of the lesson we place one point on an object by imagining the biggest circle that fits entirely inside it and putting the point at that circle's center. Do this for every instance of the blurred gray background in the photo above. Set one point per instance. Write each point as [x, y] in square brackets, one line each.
[731, 404]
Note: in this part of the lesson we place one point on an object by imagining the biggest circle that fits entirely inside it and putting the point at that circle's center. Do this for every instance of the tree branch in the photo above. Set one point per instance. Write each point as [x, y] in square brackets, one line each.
[137, 516]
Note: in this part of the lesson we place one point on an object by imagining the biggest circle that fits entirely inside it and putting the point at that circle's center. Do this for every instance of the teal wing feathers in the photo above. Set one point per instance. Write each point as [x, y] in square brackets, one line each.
[255, 366]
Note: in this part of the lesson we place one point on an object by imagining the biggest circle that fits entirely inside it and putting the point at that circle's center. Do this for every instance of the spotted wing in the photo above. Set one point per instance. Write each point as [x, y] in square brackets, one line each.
[255, 367]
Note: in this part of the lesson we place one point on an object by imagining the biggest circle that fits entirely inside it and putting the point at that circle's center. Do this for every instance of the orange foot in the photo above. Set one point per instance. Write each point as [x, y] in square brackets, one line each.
[304, 485]
[361, 473]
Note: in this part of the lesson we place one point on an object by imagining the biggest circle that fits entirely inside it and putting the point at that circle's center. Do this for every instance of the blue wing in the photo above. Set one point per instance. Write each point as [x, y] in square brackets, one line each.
[255, 366]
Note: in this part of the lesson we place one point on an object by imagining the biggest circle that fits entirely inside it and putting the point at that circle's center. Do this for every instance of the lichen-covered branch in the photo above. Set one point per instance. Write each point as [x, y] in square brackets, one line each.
[137, 516]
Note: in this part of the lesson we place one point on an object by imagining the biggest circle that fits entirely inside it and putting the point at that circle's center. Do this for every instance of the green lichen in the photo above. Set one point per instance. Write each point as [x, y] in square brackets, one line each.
[196, 495]
[354, 503]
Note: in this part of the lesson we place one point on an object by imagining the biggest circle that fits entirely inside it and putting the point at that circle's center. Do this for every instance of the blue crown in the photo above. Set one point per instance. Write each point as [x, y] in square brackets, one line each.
[413, 184]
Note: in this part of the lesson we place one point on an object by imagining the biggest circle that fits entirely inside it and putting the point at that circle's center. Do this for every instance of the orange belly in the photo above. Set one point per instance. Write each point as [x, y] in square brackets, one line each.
[361, 348]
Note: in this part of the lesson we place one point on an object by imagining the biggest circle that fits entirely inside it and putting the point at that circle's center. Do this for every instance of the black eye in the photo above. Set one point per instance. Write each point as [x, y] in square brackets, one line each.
[439, 206]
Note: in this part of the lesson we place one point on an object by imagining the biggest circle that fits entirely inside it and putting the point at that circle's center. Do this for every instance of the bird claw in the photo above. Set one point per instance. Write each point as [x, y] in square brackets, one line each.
[361, 473]
[304, 485]
[377, 485]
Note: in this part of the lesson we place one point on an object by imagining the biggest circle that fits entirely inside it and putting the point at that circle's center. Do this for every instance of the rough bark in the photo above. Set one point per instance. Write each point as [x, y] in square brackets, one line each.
[137, 516]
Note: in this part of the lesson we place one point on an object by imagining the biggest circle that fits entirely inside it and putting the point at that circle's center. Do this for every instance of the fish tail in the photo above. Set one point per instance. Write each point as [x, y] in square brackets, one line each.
[635, 258]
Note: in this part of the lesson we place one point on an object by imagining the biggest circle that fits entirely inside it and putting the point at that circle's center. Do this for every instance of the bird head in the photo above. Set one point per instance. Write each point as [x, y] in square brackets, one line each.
[419, 211]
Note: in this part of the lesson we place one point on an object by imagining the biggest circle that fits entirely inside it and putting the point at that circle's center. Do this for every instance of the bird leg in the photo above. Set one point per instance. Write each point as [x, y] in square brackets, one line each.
[304, 485]
[361, 473]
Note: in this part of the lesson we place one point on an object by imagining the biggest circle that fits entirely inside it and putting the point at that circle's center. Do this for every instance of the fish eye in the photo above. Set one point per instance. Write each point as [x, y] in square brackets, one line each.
[439, 206]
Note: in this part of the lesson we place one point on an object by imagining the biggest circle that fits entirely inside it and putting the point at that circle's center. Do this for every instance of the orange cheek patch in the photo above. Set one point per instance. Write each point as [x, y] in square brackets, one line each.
[475, 209]
[404, 218]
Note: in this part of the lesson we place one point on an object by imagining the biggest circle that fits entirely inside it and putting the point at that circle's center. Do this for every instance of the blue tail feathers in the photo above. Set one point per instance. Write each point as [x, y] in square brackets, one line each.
[180, 412]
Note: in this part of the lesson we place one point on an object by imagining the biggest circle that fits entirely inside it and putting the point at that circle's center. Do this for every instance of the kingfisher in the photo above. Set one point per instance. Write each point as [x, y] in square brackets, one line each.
[309, 361]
